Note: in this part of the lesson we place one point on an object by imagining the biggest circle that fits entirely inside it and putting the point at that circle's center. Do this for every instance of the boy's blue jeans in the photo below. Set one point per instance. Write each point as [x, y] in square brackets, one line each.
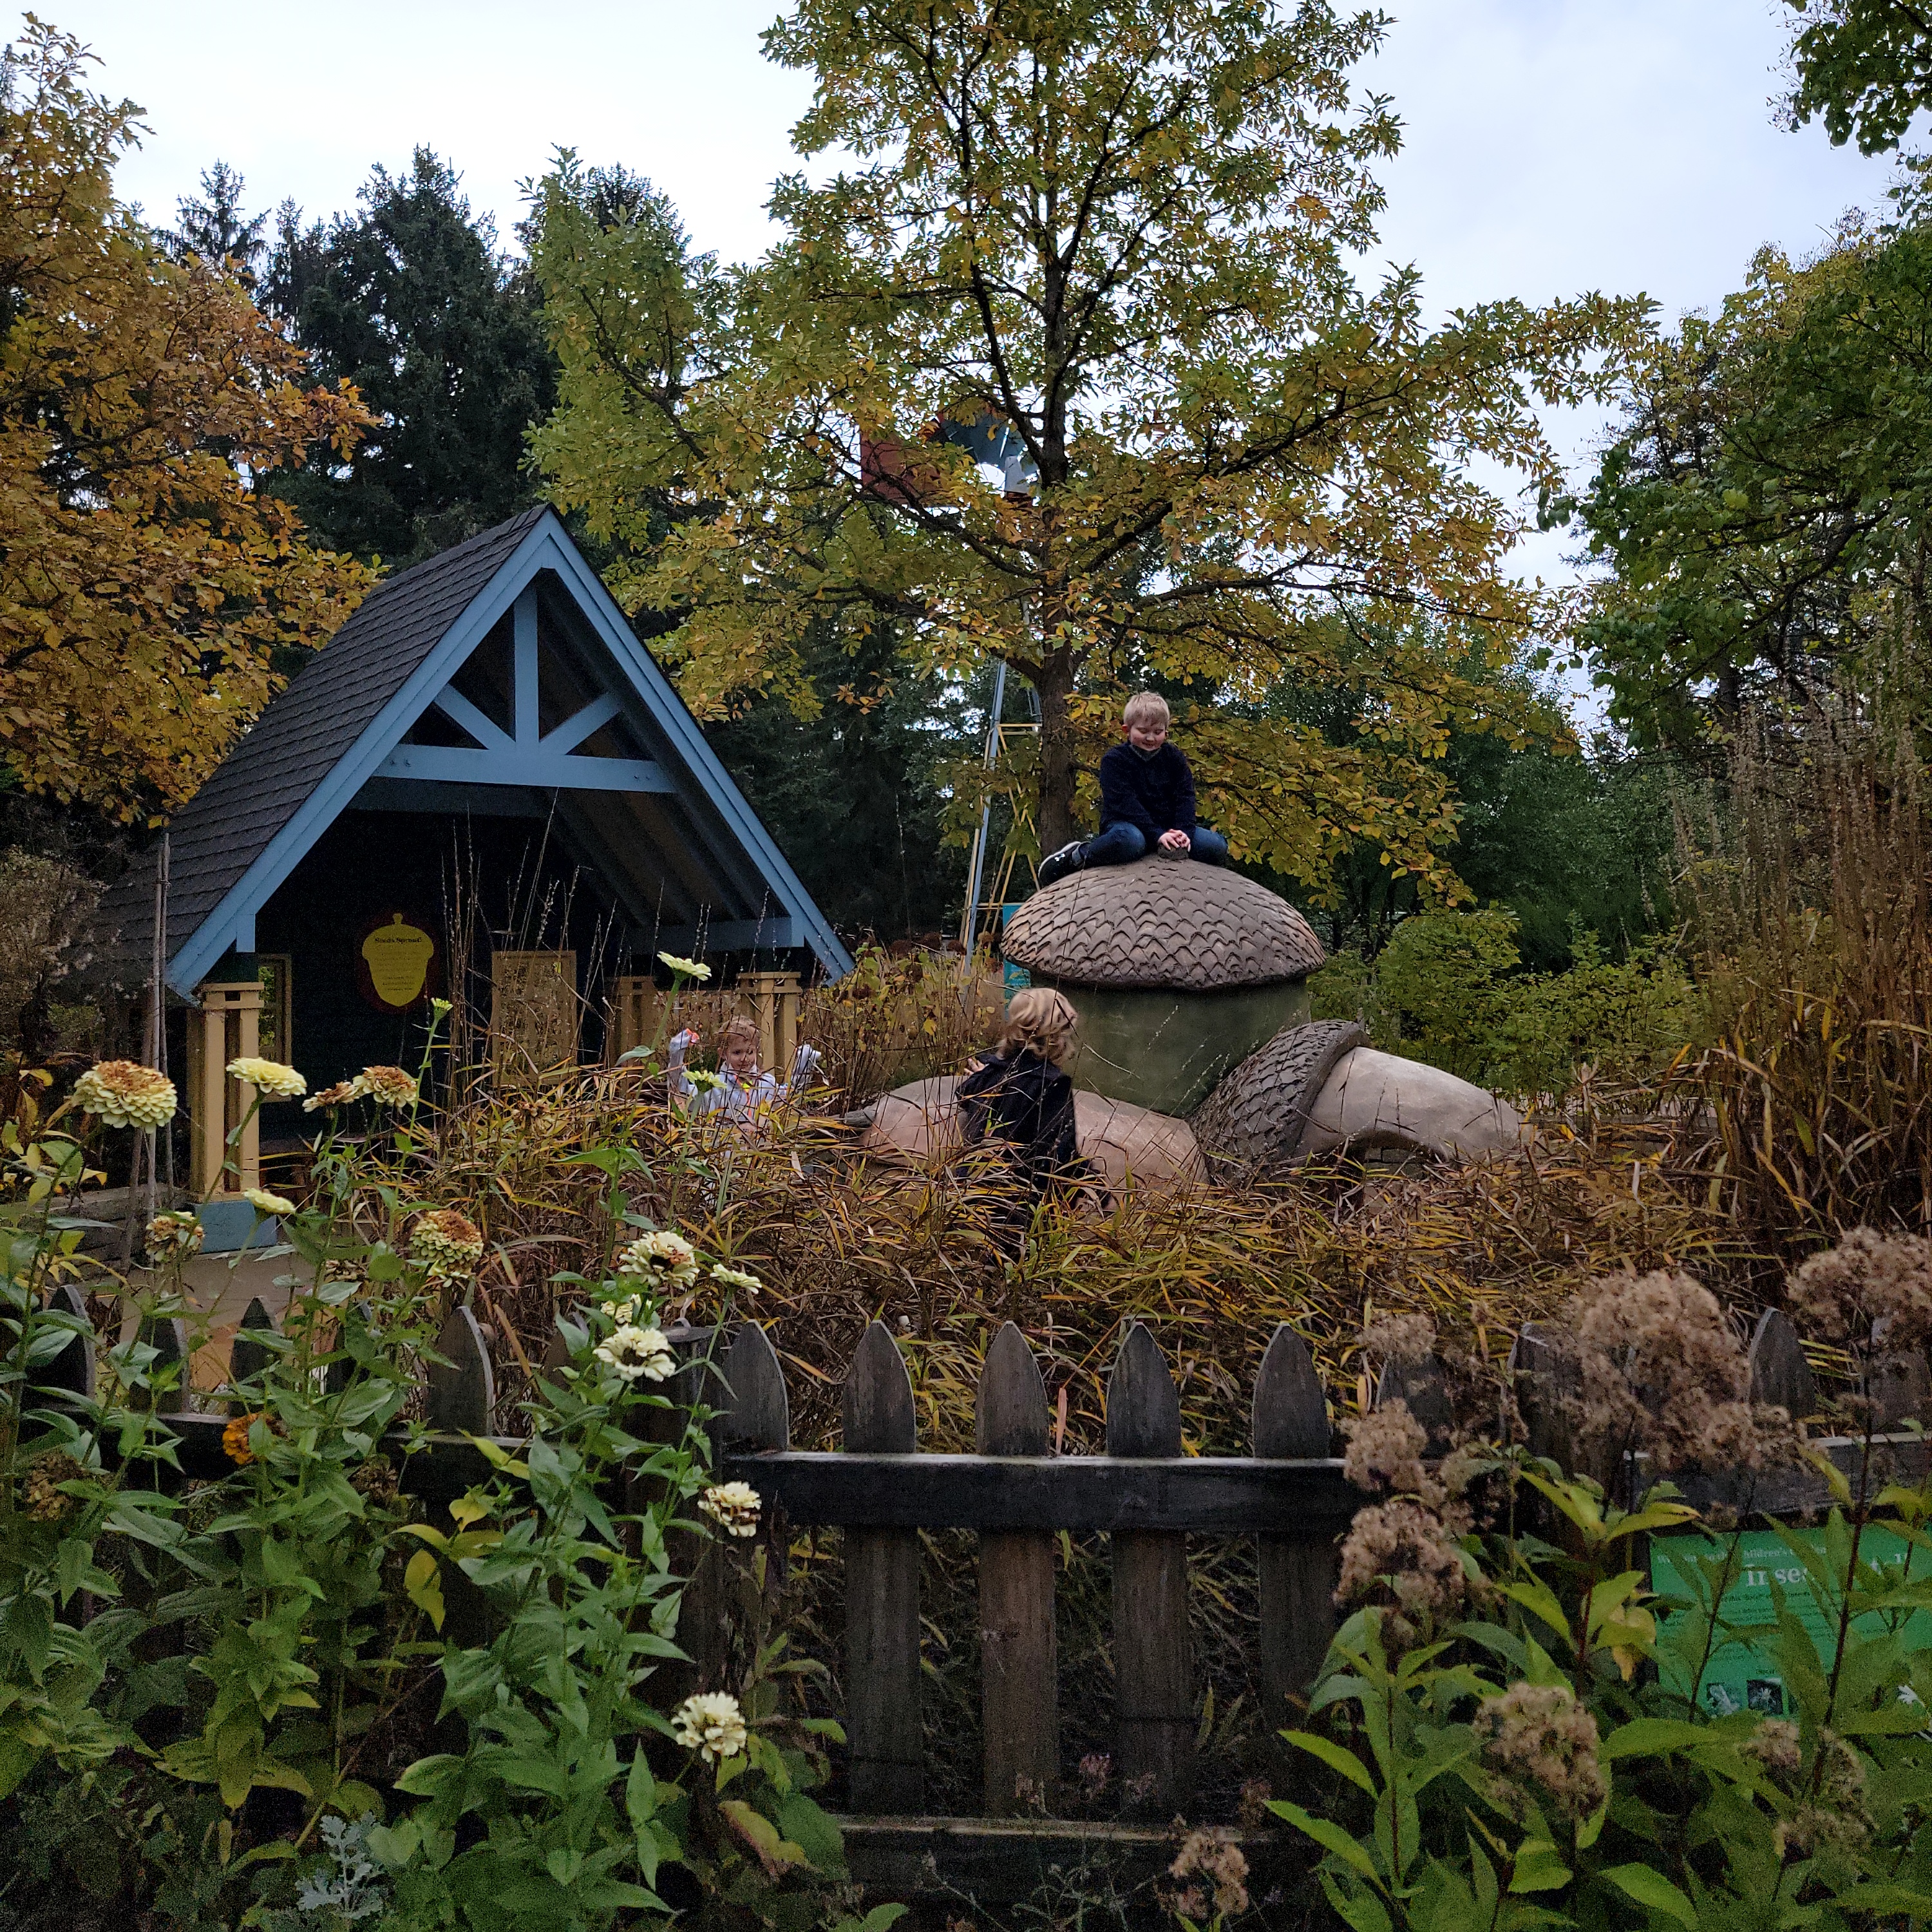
[1120, 843]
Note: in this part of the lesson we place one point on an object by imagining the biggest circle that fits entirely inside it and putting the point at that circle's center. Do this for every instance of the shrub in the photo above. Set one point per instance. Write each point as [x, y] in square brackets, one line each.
[1445, 990]
[1533, 1747]
[293, 1696]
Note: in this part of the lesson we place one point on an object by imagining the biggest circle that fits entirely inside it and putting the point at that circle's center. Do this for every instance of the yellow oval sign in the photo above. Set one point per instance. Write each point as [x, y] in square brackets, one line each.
[398, 956]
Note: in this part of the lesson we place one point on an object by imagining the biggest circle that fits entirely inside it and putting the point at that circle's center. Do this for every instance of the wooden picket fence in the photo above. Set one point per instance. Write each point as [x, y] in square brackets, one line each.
[1143, 1493]
[1147, 1496]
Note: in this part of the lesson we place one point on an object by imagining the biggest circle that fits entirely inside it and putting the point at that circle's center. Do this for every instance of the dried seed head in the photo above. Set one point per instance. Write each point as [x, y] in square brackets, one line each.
[1871, 1287]
[1540, 1733]
[375, 1481]
[1662, 1373]
[1402, 1551]
[1400, 1338]
[42, 1499]
[1385, 1451]
[1775, 1744]
[1211, 1852]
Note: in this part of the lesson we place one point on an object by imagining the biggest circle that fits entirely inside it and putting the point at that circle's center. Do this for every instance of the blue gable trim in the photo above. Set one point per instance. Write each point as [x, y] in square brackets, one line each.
[669, 710]
[232, 923]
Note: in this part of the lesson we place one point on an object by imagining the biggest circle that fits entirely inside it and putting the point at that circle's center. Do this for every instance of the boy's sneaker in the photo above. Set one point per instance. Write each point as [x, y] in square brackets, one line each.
[1069, 859]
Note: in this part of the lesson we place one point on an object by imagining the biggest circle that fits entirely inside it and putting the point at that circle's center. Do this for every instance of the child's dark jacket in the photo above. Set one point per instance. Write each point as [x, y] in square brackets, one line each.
[1025, 1105]
[1156, 794]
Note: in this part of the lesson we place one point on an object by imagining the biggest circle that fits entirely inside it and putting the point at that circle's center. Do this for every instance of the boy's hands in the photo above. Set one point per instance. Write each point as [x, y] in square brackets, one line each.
[1176, 840]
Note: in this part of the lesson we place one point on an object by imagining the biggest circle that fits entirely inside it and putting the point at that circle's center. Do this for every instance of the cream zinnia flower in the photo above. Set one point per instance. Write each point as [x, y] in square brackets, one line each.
[446, 1242]
[705, 1080]
[662, 1256]
[731, 1277]
[711, 1724]
[692, 969]
[635, 1352]
[271, 1076]
[124, 1093]
[733, 1506]
[171, 1231]
[389, 1086]
[340, 1095]
[263, 1202]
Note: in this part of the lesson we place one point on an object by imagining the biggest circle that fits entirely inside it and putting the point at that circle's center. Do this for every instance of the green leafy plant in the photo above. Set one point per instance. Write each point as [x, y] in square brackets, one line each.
[300, 1696]
[1538, 1747]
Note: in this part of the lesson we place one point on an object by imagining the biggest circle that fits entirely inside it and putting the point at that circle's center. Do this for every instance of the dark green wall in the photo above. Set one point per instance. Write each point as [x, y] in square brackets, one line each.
[529, 892]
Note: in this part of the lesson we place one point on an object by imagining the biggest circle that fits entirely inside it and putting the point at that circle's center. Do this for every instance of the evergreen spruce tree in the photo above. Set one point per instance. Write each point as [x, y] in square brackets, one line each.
[412, 300]
[215, 230]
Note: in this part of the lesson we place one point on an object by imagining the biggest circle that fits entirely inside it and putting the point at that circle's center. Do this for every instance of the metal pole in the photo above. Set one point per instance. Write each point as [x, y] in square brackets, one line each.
[976, 866]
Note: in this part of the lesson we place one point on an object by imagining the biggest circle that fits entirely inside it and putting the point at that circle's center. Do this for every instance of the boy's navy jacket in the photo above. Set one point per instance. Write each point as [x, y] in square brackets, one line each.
[1156, 794]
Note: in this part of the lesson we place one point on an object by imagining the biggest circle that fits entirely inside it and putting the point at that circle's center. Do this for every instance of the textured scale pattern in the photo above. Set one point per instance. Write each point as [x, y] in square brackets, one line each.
[1162, 923]
[1257, 1115]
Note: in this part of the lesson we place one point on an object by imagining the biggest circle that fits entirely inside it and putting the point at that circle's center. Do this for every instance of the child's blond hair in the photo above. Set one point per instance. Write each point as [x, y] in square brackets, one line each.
[1145, 707]
[1042, 1019]
[738, 1026]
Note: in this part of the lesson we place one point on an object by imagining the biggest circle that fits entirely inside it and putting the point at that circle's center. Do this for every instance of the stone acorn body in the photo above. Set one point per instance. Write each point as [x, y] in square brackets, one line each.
[1180, 970]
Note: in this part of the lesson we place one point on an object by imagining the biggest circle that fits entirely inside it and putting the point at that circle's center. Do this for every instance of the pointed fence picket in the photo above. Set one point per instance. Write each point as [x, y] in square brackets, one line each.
[1019, 1662]
[1153, 1659]
[1297, 1573]
[887, 1738]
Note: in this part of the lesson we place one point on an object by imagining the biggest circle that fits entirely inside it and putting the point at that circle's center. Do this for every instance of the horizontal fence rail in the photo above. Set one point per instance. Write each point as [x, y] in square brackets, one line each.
[1143, 1493]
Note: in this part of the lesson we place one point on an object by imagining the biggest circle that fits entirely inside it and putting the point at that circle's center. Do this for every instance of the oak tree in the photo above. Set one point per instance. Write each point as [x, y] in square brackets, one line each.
[146, 580]
[1065, 363]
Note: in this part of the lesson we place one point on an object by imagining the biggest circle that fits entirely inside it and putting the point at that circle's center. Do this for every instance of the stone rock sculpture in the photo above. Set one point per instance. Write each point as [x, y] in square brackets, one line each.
[1196, 1058]
[1127, 1145]
[1320, 1088]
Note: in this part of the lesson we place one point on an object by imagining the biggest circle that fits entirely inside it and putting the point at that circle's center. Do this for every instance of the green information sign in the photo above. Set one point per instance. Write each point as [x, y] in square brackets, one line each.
[1744, 1677]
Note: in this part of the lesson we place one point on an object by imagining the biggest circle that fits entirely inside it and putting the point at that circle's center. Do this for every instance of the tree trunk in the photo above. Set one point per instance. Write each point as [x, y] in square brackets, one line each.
[1058, 766]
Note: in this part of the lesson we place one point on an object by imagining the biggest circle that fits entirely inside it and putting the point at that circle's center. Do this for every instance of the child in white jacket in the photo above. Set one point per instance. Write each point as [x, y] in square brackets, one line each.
[740, 1090]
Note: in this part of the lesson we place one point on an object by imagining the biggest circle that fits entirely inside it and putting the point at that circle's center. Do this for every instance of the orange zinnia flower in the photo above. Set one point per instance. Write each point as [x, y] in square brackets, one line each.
[235, 1437]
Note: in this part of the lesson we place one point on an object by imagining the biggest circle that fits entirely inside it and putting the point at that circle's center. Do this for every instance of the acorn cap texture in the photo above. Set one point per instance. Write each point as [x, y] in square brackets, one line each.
[1162, 923]
[1258, 1115]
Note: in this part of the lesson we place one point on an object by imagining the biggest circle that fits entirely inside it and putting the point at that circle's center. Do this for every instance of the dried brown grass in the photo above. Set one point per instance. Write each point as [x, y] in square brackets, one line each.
[1810, 886]
[840, 1240]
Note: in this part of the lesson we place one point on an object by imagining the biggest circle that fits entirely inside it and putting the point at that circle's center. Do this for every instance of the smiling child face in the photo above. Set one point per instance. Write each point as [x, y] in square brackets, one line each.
[1147, 734]
[741, 1057]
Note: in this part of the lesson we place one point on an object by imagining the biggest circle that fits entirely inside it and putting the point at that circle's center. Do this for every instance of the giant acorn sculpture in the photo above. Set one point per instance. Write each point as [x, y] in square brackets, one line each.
[1196, 1054]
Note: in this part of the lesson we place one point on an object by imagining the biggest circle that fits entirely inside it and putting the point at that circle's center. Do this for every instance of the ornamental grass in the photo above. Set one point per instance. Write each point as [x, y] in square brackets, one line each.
[836, 1241]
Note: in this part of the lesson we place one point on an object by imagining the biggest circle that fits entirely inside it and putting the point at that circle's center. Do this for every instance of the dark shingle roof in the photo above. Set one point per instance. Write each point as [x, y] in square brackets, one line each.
[297, 742]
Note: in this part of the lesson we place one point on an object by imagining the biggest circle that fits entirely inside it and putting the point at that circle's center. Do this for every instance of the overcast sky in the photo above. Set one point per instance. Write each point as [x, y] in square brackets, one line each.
[1553, 146]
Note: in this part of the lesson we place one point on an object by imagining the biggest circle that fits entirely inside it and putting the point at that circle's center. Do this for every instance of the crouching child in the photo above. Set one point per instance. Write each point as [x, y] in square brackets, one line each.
[1017, 1104]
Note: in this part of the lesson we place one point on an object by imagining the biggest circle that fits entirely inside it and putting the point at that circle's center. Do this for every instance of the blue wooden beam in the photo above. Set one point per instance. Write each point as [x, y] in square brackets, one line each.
[525, 707]
[550, 771]
[575, 729]
[433, 795]
[453, 704]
